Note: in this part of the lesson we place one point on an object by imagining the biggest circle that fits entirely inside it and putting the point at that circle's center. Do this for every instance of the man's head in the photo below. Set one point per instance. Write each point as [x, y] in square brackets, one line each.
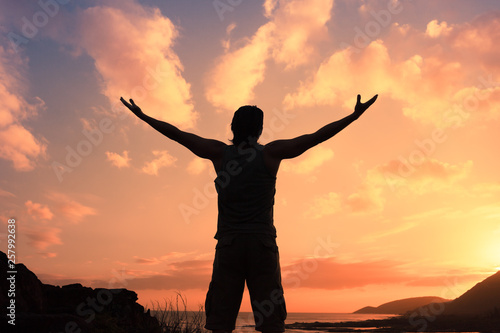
[247, 124]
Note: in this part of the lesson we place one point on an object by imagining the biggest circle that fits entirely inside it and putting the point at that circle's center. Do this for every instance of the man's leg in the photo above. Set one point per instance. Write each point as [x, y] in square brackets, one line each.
[264, 285]
[226, 288]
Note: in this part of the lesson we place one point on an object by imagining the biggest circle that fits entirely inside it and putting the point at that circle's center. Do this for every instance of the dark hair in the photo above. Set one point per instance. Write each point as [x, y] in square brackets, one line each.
[247, 124]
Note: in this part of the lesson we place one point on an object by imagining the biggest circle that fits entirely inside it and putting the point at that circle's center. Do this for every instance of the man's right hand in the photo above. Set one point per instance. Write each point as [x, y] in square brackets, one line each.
[133, 107]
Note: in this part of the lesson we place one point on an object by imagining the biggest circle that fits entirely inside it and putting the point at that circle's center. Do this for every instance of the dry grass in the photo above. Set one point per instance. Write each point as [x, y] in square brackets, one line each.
[175, 318]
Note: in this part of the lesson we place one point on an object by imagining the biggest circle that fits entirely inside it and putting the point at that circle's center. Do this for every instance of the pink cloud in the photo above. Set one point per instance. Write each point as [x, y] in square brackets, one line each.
[43, 237]
[4, 193]
[70, 209]
[17, 143]
[132, 49]
[38, 211]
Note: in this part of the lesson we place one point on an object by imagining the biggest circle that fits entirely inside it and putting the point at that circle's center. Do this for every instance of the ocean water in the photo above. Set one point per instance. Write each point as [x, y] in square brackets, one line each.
[245, 321]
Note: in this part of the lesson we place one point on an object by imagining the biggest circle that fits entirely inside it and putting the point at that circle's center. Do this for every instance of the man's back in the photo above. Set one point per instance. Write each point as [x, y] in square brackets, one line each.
[246, 191]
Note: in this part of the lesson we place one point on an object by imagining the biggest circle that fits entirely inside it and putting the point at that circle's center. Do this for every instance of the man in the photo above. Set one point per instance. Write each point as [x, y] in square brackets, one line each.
[246, 250]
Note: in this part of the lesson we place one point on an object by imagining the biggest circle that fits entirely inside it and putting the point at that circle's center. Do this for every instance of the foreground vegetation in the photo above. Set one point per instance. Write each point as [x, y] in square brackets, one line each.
[174, 317]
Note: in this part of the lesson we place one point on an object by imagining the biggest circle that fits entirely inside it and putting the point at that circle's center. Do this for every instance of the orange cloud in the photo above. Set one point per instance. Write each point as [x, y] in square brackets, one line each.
[236, 73]
[435, 29]
[324, 205]
[397, 175]
[299, 26]
[163, 159]
[43, 237]
[191, 274]
[435, 78]
[197, 166]
[38, 211]
[17, 143]
[327, 273]
[368, 199]
[119, 161]
[72, 210]
[331, 274]
[294, 28]
[132, 49]
[311, 160]
[426, 176]
[147, 261]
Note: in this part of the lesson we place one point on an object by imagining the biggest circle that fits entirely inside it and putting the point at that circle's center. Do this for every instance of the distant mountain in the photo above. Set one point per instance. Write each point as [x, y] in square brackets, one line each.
[401, 306]
[482, 299]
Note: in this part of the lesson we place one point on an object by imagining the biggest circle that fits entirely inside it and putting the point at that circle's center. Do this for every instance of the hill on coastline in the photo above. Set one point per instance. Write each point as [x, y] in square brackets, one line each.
[482, 299]
[401, 306]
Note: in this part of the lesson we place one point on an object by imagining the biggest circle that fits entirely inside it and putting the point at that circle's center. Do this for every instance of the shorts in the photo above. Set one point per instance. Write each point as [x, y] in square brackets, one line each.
[252, 258]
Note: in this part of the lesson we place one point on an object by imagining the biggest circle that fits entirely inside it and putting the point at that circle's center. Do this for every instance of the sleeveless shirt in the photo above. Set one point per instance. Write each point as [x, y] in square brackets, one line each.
[246, 192]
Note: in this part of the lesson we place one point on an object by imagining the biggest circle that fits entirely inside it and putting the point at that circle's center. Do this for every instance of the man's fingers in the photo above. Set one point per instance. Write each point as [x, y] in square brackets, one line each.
[125, 102]
[372, 100]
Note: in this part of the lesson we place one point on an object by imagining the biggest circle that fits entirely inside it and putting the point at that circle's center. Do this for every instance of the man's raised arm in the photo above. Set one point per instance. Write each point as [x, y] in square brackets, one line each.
[284, 149]
[201, 147]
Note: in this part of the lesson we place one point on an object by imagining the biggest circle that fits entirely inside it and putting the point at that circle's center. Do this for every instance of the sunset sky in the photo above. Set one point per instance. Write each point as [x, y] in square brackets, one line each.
[404, 202]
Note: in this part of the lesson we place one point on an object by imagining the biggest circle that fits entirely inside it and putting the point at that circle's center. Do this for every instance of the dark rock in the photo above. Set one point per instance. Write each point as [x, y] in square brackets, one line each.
[72, 308]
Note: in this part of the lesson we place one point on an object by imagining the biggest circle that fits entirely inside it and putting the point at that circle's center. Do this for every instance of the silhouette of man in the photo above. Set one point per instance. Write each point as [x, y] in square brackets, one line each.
[246, 248]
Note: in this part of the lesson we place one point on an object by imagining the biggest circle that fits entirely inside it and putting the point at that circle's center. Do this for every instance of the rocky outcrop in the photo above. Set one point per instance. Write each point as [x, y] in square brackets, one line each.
[43, 308]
